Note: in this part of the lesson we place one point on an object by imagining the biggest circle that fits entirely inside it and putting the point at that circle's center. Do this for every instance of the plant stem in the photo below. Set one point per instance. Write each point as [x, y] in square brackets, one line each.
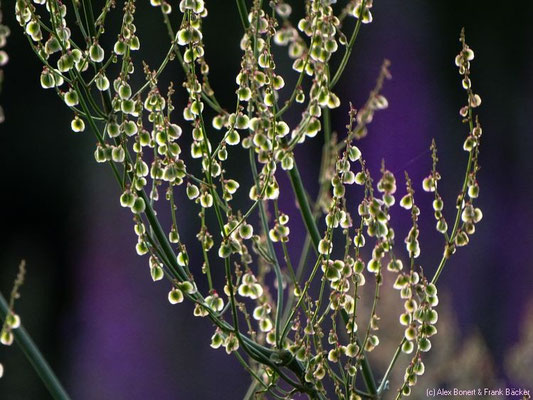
[459, 208]
[272, 252]
[383, 383]
[243, 12]
[35, 357]
[348, 52]
[305, 208]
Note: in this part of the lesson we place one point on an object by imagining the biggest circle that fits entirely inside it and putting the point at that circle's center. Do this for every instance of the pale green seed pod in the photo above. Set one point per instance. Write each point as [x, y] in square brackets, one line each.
[461, 239]
[395, 265]
[407, 347]
[374, 266]
[157, 273]
[246, 231]
[265, 325]
[475, 101]
[124, 91]
[175, 296]
[47, 79]
[206, 200]
[419, 368]
[96, 53]
[129, 128]
[278, 82]
[244, 93]
[192, 191]
[141, 247]
[473, 191]
[424, 344]
[34, 30]
[65, 63]
[360, 178]
[405, 319]
[12, 321]
[217, 339]
[135, 43]
[224, 251]
[231, 344]
[113, 129]
[410, 333]
[354, 153]
[100, 154]
[127, 199]
[469, 143]
[183, 259]
[429, 184]
[118, 154]
[71, 98]
[442, 226]
[77, 124]
[6, 337]
[52, 45]
[138, 206]
[127, 106]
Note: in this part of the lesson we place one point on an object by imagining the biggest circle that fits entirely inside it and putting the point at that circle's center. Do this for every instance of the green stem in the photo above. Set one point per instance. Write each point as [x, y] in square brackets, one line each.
[35, 357]
[272, 252]
[348, 52]
[243, 12]
[305, 208]
[459, 208]
[385, 379]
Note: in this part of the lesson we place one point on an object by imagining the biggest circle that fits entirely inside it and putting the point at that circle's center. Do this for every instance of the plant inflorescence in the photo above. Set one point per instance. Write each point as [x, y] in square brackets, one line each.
[294, 325]
[11, 319]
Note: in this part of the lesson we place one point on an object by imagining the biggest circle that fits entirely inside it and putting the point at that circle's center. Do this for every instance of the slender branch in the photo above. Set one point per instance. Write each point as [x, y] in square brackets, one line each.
[30, 350]
[243, 12]
[459, 208]
[385, 378]
[303, 203]
[348, 52]
[366, 370]
[272, 252]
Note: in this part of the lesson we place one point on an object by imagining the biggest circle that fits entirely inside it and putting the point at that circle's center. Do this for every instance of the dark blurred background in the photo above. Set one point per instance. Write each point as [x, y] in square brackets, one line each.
[88, 300]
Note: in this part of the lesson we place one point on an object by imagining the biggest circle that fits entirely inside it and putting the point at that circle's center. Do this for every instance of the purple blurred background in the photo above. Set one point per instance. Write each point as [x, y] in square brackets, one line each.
[89, 300]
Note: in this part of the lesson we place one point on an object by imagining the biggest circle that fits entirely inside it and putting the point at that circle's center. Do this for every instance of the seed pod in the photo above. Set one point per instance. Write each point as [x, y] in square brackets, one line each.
[175, 296]
[96, 53]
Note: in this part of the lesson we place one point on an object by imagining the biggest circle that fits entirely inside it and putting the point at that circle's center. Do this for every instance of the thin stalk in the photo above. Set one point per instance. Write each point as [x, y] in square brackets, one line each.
[272, 251]
[301, 297]
[459, 208]
[35, 357]
[397, 353]
[250, 393]
[292, 97]
[209, 99]
[243, 13]
[368, 376]
[348, 52]
[305, 208]
[323, 187]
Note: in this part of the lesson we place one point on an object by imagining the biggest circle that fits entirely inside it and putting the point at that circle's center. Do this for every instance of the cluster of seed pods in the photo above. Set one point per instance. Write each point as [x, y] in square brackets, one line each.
[294, 336]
